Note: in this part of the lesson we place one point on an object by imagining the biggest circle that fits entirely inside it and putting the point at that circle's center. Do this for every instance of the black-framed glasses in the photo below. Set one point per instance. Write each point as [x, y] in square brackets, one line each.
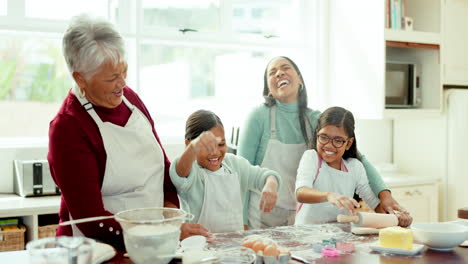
[337, 142]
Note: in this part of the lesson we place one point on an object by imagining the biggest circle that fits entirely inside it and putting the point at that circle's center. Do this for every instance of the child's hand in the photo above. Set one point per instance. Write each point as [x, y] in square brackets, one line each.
[404, 218]
[205, 141]
[343, 202]
[269, 194]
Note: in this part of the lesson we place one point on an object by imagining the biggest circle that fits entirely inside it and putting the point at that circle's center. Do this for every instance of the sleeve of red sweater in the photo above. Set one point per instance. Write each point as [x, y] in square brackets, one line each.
[170, 192]
[74, 165]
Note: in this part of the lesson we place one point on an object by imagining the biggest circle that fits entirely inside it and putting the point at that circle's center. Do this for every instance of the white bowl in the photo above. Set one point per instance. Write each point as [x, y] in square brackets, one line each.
[193, 243]
[440, 236]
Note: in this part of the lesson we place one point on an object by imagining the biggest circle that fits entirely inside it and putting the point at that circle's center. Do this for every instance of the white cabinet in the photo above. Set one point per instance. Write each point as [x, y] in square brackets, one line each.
[420, 200]
[30, 211]
[420, 46]
[455, 37]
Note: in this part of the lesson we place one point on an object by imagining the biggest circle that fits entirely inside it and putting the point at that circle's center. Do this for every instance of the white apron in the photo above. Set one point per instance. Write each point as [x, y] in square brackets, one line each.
[134, 172]
[284, 159]
[330, 180]
[222, 203]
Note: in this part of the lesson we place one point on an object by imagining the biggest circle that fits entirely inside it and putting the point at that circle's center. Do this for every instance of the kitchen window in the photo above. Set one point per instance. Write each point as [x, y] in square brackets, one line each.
[182, 55]
[3, 7]
[63, 10]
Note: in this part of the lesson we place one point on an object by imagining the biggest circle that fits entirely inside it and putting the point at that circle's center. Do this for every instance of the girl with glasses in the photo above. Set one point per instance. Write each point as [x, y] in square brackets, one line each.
[275, 136]
[331, 172]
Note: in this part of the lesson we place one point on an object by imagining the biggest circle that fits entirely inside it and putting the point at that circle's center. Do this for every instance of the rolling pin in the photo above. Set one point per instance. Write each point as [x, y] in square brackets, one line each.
[369, 220]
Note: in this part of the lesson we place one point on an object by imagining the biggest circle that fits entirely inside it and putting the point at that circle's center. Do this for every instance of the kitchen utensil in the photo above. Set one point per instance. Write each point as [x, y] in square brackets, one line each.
[299, 259]
[364, 230]
[198, 257]
[85, 220]
[374, 220]
[408, 252]
[151, 235]
[61, 250]
[440, 236]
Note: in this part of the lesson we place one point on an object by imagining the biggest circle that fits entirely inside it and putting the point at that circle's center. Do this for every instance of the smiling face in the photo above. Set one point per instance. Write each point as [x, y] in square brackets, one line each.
[283, 80]
[213, 161]
[328, 152]
[105, 88]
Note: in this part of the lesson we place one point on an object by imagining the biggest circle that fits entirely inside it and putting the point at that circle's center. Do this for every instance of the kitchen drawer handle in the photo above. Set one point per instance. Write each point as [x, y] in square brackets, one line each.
[408, 193]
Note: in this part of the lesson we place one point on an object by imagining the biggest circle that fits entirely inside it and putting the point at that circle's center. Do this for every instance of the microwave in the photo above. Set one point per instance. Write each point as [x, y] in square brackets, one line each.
[402, 88]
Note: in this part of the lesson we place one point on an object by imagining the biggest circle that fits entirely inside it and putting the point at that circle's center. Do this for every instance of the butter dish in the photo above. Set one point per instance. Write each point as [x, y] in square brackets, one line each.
[408, 252]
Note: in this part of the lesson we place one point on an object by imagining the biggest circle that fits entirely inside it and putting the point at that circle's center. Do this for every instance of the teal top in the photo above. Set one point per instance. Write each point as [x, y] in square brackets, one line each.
[191, 189]
[255, 135]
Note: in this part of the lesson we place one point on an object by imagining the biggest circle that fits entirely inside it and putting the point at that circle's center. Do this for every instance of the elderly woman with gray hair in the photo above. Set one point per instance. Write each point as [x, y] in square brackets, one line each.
[104, 152]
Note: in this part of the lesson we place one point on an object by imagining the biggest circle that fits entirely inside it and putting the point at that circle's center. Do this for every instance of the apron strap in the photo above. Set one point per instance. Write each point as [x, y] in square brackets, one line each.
[90, 109]
[308, 132]
[273, 122]
[319, 165]
[273, 126]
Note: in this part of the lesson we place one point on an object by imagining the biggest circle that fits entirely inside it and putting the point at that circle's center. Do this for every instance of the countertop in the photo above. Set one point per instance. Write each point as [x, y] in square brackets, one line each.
[396, 179]
[300, 241]
[14, 205]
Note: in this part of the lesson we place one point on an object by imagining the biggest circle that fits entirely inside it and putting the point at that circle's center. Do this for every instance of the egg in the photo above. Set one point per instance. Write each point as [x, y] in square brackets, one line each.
[248, 243]
[271, 250]
[258, 246]
[283, 250]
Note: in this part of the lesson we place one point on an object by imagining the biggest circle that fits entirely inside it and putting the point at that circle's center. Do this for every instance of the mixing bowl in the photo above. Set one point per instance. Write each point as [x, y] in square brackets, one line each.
[440, 236]
[151, 235]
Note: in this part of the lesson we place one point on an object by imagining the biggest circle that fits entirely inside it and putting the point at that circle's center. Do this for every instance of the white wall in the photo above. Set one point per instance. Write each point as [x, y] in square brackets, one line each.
[375, 140]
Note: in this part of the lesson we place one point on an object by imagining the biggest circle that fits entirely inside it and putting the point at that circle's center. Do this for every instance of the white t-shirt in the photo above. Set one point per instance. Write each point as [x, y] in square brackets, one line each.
[331, 180]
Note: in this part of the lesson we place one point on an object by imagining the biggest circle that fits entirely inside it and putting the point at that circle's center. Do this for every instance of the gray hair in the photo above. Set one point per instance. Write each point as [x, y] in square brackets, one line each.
[90, 42]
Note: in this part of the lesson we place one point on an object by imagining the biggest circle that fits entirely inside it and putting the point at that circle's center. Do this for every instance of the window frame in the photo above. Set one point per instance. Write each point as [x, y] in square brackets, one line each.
[133, 31]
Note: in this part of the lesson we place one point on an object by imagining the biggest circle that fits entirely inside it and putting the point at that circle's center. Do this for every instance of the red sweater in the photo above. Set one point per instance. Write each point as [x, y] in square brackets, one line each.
[77, 161]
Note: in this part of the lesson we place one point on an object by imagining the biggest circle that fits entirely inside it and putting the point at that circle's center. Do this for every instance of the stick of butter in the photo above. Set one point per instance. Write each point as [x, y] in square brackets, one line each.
[396, 237]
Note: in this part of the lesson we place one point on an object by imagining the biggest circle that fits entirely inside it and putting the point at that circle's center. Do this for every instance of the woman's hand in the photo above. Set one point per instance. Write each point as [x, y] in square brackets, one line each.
[388, 204]
[343, 202]
[188, 229]
[206, 141]
[269, 194]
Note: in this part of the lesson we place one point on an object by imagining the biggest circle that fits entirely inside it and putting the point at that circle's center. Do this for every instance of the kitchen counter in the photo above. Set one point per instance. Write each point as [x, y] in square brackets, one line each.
[12, 205]
[300, 241]
[395, 179]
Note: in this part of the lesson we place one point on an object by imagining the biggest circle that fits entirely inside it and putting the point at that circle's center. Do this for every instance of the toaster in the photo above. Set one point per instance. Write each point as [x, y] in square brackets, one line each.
[32, 178]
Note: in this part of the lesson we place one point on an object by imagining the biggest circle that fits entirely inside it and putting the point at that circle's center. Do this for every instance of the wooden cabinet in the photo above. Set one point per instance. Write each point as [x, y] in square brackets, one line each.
[455, 40]
[422, 201]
